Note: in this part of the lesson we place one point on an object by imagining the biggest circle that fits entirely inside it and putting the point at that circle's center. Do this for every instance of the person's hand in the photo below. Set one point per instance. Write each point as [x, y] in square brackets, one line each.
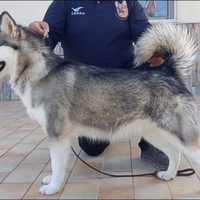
[156, 61]
[39, 27]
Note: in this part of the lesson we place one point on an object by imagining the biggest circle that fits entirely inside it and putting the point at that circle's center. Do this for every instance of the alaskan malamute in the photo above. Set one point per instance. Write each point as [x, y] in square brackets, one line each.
[71, 100]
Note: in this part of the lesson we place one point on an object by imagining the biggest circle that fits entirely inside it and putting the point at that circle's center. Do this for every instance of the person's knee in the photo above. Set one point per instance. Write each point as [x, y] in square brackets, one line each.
[92, 147]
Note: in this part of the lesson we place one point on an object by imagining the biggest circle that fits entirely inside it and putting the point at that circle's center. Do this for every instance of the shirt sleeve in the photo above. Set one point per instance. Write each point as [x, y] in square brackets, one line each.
[138, 20]
[56, 17]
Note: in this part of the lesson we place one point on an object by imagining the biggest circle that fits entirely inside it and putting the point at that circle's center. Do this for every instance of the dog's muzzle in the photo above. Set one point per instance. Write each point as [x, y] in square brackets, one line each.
[2, 65]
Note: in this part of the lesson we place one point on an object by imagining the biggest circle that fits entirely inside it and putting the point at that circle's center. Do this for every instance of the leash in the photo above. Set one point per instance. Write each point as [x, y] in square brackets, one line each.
[184, 172]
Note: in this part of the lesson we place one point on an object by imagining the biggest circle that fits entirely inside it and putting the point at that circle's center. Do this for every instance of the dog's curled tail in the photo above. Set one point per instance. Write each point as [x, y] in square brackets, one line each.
[169, 41]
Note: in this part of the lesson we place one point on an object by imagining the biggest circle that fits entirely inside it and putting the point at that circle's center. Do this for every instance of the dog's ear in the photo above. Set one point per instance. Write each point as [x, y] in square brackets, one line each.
[117, 3]
[124, 3]
[8, 25]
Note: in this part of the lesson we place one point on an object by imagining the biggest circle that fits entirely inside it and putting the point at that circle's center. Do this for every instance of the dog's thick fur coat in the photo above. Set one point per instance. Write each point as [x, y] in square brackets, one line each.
[71, 100]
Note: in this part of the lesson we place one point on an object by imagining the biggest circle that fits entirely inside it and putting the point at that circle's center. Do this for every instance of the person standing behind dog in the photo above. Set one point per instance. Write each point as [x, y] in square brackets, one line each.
[100, 33]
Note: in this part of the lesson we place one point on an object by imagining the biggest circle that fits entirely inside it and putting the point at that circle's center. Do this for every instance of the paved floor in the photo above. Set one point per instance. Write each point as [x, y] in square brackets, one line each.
[25, 160]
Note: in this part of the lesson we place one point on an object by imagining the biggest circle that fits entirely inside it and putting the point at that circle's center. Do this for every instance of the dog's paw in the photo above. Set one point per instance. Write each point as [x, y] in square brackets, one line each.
[47, 180]
[164, 175]
[48, 190]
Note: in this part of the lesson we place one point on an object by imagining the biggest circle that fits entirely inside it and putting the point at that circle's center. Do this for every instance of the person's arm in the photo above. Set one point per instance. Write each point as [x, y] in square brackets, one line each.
[138, 24]
[54, 22]
[138, 20]
[56, 18]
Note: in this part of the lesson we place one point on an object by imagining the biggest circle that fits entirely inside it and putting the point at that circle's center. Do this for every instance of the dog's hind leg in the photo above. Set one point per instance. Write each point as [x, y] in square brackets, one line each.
[59, 150]
[192, 152]
[156, 139]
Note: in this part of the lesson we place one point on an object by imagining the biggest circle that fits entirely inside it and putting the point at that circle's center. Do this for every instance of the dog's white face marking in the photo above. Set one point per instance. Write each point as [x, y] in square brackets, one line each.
[9, 56]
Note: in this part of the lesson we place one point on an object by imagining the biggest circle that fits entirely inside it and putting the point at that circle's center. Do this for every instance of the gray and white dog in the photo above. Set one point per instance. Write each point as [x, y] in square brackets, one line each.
[71, 100]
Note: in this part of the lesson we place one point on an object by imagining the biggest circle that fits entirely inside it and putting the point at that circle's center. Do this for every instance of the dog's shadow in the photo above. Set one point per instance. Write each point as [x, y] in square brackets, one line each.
[139, 166]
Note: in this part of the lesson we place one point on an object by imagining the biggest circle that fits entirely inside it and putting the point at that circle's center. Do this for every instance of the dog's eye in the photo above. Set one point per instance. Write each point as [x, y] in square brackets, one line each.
[15, 47]
[2, 65]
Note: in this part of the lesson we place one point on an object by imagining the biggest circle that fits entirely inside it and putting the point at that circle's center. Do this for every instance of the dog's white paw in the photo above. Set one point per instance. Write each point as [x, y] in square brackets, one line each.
[48, 190]
[47, 180]
[164, 175]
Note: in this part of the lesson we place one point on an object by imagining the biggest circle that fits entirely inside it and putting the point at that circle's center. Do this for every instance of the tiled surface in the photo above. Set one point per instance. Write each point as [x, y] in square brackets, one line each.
[25, 160]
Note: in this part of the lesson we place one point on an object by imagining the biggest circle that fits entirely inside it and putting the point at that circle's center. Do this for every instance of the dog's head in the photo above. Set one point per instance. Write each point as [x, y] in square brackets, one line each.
[16, 42]
[10, 34]
[122, 9]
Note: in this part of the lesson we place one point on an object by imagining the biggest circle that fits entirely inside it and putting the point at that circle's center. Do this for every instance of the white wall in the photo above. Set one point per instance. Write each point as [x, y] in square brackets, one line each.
[25, 12]
[189, 11]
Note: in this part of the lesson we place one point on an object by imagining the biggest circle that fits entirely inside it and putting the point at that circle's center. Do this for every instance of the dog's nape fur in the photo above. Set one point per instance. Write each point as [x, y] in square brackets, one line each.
[84, 100]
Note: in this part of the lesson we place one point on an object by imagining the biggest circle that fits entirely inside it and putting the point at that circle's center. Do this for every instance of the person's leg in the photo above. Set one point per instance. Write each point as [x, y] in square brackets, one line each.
[92, 147]
[151, 154]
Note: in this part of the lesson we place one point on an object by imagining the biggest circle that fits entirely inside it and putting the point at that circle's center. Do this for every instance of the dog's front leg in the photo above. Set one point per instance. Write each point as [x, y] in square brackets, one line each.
[59, 150]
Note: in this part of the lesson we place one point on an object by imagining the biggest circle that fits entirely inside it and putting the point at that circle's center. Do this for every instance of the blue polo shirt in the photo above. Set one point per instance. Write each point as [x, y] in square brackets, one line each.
[97, 33]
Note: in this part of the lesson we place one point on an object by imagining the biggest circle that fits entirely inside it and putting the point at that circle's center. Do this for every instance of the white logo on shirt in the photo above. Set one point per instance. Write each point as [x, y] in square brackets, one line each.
[76, 11]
